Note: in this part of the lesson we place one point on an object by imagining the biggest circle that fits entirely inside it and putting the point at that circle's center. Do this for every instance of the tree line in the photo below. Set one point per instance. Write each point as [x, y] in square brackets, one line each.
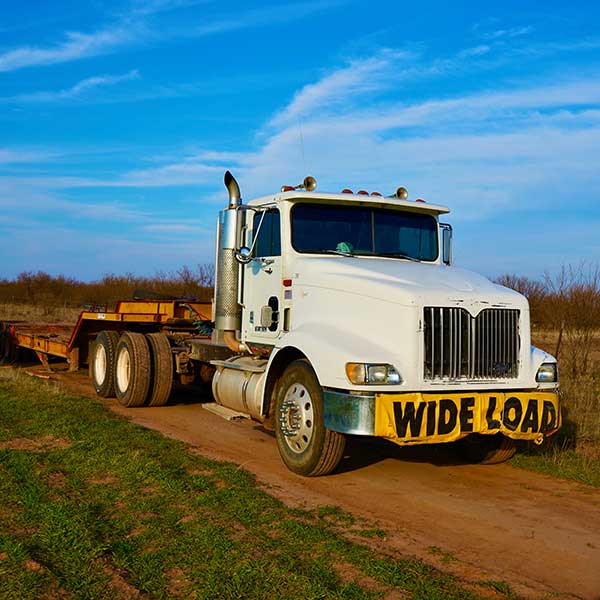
[44, 290]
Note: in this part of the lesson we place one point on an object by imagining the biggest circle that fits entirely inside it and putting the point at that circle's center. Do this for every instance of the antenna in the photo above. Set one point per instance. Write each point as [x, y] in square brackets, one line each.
[302, 145]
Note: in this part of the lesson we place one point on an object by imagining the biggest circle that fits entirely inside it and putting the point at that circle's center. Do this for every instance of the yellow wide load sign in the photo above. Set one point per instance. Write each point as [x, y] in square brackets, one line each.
[417, 418]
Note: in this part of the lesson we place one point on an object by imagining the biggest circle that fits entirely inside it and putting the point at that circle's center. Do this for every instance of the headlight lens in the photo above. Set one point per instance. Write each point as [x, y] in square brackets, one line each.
[547, 373]
[372, 374]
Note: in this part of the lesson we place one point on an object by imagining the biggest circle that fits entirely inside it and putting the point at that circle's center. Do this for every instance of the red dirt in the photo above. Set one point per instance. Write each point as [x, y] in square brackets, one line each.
[539, 534]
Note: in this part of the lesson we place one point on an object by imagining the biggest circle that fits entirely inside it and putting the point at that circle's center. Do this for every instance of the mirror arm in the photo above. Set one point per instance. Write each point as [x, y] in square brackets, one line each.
[247, 257]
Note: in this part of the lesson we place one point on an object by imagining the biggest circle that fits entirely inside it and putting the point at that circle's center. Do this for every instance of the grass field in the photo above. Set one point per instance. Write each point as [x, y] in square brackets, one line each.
[51, 313]
[574, 452]
[96, 507]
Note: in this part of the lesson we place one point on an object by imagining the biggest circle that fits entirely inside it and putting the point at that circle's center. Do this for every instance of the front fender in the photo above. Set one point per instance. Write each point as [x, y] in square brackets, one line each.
[538, 357]
[329, 347]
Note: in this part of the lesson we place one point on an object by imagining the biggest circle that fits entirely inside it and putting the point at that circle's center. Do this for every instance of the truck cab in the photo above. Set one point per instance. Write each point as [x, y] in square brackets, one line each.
[352, 319]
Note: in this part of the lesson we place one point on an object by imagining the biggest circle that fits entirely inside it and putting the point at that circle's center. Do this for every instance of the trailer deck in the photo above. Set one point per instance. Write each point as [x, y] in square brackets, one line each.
[71, 341]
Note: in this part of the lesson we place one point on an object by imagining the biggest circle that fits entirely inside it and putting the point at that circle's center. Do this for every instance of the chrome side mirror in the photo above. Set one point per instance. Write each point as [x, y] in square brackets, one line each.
[446, 243]
[243, 255]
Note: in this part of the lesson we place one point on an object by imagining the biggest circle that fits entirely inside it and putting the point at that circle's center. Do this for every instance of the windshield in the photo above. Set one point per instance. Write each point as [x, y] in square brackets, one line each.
[363, 231]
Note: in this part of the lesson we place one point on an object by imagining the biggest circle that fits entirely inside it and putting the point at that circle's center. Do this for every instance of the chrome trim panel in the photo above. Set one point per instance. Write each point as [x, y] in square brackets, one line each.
[349, 413]
[459, 347]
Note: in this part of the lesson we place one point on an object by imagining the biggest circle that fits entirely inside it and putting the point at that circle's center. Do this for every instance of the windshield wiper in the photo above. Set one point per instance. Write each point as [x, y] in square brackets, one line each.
[333, 251]
[397, 255]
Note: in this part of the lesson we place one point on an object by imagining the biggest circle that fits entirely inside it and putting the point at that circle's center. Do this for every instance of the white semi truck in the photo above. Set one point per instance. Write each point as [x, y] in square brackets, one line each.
[346, 316]
[336, 314]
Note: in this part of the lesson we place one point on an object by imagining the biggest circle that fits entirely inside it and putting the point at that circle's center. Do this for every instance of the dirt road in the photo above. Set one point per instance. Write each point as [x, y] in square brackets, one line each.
[539, 534]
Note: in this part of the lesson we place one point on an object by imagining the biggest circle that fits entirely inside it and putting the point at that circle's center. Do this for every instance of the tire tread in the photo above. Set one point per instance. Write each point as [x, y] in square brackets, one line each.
[333, 444]
[162, 369]
[139, 377]
[109, 339]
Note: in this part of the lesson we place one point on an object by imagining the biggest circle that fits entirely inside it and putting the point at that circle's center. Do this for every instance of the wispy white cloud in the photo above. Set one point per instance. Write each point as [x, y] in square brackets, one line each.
[151, 7]
[360, 77]
[511, 32]
[272, 15]
[75, 46]
[78, 90]
[137, 26]
[10, 156]
[474, 51]
[485, 153]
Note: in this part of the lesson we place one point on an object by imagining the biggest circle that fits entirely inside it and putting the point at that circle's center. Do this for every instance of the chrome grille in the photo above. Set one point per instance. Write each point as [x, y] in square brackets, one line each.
[461, 347]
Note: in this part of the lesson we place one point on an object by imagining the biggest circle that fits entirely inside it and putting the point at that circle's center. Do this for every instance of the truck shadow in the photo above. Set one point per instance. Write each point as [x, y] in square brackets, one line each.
[360, 451]
[364, 451]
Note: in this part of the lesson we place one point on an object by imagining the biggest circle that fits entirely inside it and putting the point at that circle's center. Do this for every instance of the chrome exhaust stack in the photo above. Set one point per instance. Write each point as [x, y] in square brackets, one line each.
[228, 312]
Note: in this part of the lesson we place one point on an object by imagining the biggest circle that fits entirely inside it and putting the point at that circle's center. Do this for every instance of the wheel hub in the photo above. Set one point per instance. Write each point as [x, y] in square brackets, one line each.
[123, 370]
[296, 418]
[100, 364]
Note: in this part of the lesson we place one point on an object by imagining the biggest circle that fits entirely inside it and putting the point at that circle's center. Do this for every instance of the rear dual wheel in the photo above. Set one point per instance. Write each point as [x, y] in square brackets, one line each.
[102, 363]
[132, 369]
[161, 371]
[136, 368]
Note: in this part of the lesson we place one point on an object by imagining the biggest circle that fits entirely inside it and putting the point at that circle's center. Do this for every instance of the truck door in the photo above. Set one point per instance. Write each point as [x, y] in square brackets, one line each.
[262, 315]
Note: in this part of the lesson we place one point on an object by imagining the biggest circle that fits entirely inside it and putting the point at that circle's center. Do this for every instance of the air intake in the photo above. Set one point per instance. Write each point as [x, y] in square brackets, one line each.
[459, 347]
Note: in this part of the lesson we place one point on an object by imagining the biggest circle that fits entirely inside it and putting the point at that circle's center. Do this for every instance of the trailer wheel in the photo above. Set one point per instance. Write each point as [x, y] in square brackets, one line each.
[487, 449]
[306, 446]
[132, 369]
[162, 369]
[102, 363]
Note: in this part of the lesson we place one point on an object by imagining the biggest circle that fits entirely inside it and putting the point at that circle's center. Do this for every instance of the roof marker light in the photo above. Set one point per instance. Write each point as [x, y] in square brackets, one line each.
[363, 192]
[376, 194]
[346, 191]
[287, 188]
[420, 200]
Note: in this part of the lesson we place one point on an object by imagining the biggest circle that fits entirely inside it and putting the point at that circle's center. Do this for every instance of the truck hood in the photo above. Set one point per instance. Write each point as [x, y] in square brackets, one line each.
[403, 282]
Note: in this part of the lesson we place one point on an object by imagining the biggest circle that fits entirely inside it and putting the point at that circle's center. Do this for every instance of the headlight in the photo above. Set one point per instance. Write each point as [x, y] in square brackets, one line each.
[365, 373]
[547, 373]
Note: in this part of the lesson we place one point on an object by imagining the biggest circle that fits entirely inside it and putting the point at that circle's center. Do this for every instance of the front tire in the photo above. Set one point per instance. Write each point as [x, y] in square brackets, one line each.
[132, 369]
[306, 446]
[487, 449]
[102, 363]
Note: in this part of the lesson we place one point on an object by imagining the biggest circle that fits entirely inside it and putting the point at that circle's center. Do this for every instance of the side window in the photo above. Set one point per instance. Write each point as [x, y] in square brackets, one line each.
[269, 237]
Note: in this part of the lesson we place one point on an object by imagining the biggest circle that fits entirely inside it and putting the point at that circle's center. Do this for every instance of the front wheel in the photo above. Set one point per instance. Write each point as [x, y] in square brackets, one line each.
[306, 446]
[487, 449]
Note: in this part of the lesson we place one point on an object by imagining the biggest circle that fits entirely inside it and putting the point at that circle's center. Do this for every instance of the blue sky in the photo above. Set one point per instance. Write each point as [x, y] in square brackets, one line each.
[117, 121]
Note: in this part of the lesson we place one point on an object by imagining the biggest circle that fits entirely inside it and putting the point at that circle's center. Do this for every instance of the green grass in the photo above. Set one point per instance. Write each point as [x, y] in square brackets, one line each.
[576, 465]
[94, 506]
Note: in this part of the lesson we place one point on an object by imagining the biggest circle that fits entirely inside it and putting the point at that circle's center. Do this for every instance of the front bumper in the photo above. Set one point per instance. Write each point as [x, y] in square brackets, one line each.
[427, 418]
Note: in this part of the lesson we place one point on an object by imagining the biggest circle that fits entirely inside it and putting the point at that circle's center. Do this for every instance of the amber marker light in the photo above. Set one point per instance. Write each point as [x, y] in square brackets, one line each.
[356, 373]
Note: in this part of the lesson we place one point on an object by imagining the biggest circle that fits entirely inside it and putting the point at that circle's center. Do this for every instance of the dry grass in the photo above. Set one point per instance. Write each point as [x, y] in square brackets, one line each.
[51, 292]
[38, 313]
[580, 389]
